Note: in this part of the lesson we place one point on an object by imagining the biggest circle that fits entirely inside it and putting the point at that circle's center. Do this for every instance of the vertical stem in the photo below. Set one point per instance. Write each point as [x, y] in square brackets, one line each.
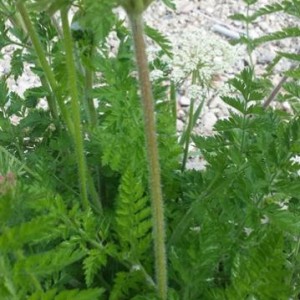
[249, 48]
[152, 155]
[92, 114]
[73, 90]
[45, 66]
[39, 52]
[173, 102]
[188, 135]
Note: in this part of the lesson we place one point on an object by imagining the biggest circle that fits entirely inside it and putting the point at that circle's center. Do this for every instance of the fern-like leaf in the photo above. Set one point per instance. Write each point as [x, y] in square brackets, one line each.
[92, 264]
[127, 284]
[289, 32]
[160, 39]
[32, 232]
[49, 262]
[133, 217]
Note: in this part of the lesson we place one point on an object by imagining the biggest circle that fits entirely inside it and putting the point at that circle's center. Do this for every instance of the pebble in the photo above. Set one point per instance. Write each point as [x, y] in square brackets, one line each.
[180, 125]
[184, 101]
[208, 120]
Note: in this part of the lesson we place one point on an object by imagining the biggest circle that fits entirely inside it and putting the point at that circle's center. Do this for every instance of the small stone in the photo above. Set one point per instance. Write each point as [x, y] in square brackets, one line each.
[209, 120]
[180, 125]
[265, 57]
[185, 7]
[287, 107]
[184, 101]
[181, 114]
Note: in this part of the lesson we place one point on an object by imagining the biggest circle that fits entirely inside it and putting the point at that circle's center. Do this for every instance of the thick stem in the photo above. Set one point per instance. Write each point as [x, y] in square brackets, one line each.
[73, 90]
[152, 155]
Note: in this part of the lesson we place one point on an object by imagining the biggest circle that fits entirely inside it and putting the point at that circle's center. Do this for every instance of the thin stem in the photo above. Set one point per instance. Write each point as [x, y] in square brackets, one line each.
[40, 53]
[152, 154]
[92, 114]
[73, 89]
[45, 66]
[188, 135]
[87, 101]
[277, 89]
[249, 50]
[173, 102]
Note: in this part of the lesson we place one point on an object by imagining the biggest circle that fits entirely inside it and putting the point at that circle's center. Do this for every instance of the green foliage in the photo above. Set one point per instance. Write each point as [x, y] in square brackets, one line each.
[133, 211]
[127, 284]
[237, 221]
[68, 295]
[160, 39]
[232, 229]
[92, 264]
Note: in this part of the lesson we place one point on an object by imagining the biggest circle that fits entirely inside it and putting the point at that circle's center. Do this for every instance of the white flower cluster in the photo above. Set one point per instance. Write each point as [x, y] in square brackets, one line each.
[156, 74]
[204, 52]
[201, 53]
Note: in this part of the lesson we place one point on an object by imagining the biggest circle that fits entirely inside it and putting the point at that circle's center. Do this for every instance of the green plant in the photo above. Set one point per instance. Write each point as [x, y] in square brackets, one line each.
[230, 231]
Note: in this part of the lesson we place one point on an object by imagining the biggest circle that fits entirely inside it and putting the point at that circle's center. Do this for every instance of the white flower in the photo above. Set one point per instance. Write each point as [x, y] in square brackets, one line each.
[156, 74]
[136, 267]
[152, 53]
[166, 59]
[195, 229]
[42, 104]
[264, 220]
[204, 52]
[296, 159]
[194, 91]
[177, 75]
[248, 230]
[15, 120]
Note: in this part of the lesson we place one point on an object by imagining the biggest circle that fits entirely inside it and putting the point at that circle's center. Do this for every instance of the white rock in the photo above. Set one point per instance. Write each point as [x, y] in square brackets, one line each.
[209, 120]
[184, 101]
[179, 125]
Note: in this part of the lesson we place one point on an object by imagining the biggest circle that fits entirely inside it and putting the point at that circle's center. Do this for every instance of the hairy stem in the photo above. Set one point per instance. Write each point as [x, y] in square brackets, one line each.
[152, 154]
[78, 135]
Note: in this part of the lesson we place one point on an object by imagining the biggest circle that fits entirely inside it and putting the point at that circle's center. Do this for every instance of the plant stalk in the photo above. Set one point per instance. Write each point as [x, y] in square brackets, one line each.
[152, 154]
[92, 114]
[40, 53]
[192, 119]
[73, 90]
[188, 135]
[45, 66]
